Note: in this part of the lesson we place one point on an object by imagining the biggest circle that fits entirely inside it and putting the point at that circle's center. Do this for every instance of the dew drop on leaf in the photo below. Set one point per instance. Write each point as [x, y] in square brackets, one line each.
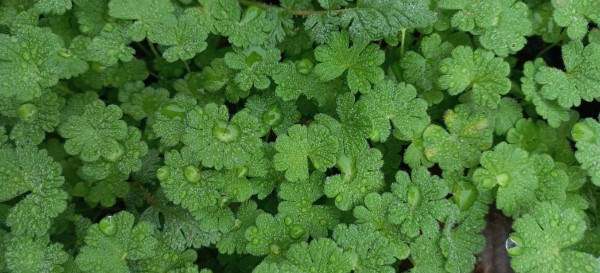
[107, 226]
[514, 245]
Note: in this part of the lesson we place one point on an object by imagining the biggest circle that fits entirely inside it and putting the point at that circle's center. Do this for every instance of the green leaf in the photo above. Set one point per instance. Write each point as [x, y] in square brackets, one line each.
[219, 76]
[540, 138]
[34, 177]
[511, 168]
[108, 48]
[276, 115]
[361, 60]
[31, 62]
[111, 253]
[187, 39]
[321, 255]
[169, 123]
[125, 160]
[301, 144]
[554, 113]
[575, 16]
[140, 102]
[35, 118]
[547, 233]
[360, 175]
[192, 195]
[95, 133]
[219, 141]
[291, 84]
[480, 72]
[578, 81]
[254, 65]
[152, 17]
[369, 250]
[250, 28]
[396, 103]
[587, 138]
[500, 25]
[235, 240]
[53, 6]
[421, 202]
[467, 135]
[42, 254]
[426, 255]
[273, 235]
[376, 210]
[297, 205]
[376, 19]
[422, 70]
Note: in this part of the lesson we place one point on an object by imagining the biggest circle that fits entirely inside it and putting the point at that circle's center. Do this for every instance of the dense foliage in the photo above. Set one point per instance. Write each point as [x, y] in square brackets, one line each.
[297, 135]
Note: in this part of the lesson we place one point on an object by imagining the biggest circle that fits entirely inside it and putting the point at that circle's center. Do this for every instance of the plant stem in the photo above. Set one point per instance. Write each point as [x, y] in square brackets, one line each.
[146, 194]
[187, 67]
[154, 51]
[402, 42]
[546, 49]
[290, 11]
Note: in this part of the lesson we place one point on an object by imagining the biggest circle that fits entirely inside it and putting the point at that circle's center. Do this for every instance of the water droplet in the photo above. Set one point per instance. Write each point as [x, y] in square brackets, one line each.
[107, 226]
[572, 227]
[332, 258]
[339, 199]
[288, 220]
[513, 245]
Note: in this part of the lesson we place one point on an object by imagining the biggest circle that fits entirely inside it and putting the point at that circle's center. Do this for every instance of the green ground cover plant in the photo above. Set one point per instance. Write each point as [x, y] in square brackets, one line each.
[314, 136]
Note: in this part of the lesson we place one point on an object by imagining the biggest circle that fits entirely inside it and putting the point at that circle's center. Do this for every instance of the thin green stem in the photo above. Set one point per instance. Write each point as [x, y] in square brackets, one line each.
[154, 51]
[143, 48]
[402, 42]
[290, 11]
[187, 67]
[153, 74]
[546, 49]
